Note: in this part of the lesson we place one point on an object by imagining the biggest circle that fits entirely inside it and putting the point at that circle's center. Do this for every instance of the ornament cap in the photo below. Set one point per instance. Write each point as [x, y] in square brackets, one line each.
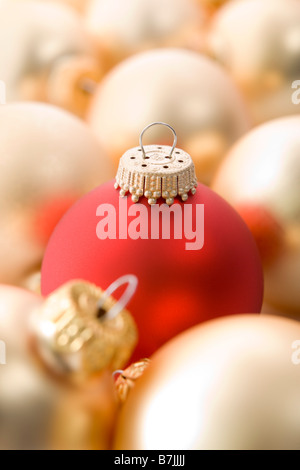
[156, 171]
[80, 329]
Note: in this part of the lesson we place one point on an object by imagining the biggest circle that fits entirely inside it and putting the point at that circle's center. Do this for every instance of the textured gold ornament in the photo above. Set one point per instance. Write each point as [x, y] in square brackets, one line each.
[76, 334]
[156, 171]
[127, 378]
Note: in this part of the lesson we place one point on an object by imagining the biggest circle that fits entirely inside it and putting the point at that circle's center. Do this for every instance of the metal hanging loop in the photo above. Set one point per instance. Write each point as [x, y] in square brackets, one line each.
[155, 124]
[132, 282]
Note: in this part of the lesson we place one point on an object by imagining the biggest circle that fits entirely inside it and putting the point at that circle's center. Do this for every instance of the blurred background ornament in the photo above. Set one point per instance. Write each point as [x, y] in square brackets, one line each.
[46, 55]
[259, 43]
[179, 273]
[271, 310]
[55, 395]
[126, 27]
[27, 396]
[229, 384]
[79, 5]
[260, 178]
[49, 158]
[179, 87]
[32, 282]
[212, 5]
[16, 305]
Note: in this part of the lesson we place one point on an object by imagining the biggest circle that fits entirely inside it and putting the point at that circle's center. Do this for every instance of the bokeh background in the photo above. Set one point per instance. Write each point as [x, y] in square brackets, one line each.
[80, 79]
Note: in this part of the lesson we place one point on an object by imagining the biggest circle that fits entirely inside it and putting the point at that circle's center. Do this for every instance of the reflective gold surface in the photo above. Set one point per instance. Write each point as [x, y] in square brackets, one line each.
[228, 384]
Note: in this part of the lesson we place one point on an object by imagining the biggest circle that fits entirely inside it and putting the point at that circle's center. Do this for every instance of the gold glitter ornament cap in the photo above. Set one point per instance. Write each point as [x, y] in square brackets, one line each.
[81, 330]
[156, 171]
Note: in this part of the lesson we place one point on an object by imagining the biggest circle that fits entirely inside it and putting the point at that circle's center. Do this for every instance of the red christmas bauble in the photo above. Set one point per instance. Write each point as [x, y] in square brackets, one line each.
[184, 279]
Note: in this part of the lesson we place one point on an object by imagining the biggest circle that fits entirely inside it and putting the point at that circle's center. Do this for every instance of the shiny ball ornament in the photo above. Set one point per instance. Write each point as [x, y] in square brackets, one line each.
[126, 27]
[27, 397]
[212, 5]
[180, 87]
[49, 158]
[104, 236]
[260, 178]
[16, 306]
[28, 403]
[79, 5]
[230, 384]
[259, 43]
[32, 282]
[33, 402]
[46, 55]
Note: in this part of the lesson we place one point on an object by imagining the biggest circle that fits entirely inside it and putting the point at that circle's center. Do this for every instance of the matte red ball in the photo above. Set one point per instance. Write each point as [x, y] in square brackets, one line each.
[178, 288]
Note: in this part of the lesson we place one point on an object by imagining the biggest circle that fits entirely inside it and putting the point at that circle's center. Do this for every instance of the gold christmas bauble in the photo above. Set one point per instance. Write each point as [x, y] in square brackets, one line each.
[260, 178]
[231, 383]
[46, 55]
[27, 396]
[126, 27]
[212, 5]
[40, 409]
[49, 158]
[79, 5]
[32, 282]
[182, 88]
[259, 43]
[16, 306]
